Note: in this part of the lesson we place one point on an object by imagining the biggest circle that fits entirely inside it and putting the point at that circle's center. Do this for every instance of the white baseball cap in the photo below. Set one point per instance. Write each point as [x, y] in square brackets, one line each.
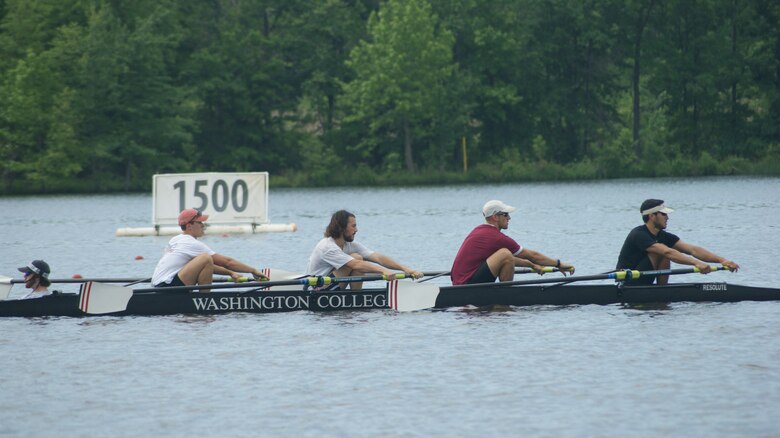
[495, 206]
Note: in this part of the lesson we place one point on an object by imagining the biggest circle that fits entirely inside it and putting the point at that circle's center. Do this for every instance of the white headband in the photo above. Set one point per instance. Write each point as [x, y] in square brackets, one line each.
[657, 209]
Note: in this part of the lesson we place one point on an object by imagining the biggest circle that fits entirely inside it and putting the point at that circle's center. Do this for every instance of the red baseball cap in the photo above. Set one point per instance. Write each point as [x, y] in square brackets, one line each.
[191, 215]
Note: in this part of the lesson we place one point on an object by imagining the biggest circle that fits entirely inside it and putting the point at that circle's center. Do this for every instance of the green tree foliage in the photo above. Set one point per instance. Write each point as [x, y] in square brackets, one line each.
[101, 94]
[402, 79]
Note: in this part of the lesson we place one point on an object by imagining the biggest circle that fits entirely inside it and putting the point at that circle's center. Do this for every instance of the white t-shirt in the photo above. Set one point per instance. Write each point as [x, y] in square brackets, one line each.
[34, 294]
[179, 251]
[327, 256]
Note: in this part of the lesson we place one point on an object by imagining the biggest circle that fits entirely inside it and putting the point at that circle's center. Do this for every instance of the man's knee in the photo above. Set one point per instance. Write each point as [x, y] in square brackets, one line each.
[202, 260]
[356, 256]
[659, 262]
[504, 255]
[205, 256]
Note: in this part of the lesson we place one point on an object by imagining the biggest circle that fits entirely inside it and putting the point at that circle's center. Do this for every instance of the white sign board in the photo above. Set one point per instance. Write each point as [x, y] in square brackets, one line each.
[228, 198]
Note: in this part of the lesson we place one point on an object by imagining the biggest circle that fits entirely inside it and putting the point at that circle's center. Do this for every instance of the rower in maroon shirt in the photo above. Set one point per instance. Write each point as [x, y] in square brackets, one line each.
[487, 253]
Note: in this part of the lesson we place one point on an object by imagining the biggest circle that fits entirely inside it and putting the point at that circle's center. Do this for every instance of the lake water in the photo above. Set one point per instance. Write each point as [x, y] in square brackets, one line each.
[687, 370]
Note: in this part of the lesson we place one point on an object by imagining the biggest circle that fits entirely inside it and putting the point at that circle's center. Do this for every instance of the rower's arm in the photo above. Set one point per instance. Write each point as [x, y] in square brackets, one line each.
[391, 263]
[228, 266]
[704, 254]
[678, 257]
[541, 259]
[363, 266]
[527, 263]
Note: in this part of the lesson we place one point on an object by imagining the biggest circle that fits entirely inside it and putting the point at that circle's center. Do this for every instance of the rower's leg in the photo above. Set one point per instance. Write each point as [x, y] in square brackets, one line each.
[660, 262]
[199, 270]
[345, 271]
[502, 264]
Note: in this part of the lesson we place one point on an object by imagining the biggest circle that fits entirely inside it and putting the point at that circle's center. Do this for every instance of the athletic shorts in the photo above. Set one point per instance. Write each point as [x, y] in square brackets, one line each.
[175, 282]
[483, 275]
[644, 265]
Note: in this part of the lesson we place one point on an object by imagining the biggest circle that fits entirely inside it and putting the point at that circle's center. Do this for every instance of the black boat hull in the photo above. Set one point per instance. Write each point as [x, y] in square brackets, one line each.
[167, 303]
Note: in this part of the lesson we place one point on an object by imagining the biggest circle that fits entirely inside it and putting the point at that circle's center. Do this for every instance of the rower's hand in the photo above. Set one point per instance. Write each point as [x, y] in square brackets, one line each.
[731, 266]
[259, 276]
[566, 268]
[414, 274]
[389, 276]
[704, 268]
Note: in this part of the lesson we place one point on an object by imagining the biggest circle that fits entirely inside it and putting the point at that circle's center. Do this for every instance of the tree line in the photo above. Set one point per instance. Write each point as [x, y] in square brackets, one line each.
[99, 95]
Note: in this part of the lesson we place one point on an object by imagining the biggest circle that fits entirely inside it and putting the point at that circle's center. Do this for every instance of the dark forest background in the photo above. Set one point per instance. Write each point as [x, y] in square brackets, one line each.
[98, 95]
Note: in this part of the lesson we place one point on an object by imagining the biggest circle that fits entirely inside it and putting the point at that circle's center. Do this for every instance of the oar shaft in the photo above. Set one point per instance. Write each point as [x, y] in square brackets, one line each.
[85, 280]
[309, 281]
[255, 284]
[619, 275]
[335, 280]
[118, 280]
[517, 271]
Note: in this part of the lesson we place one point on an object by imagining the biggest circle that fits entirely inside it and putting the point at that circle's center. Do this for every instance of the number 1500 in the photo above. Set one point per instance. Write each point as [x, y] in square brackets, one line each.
[219, 195]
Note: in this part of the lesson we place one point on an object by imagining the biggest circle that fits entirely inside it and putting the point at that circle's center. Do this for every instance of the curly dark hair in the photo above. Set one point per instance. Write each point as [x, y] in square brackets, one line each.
[338, 224]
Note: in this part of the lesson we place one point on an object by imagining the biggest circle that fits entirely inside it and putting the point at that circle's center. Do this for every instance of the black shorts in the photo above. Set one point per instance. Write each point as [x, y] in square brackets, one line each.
[483, 275]
[175, 282]
[644, 265]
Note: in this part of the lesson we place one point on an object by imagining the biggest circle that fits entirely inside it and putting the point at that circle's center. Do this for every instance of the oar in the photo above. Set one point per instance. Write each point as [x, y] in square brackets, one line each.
[426, 274]
[517, 271]
[5, 287]
[271, 273]
[132, 281]
[145, 280]
[410, 299]
[84, 280]
[278, 274]
[406, 296]
[437, 274]
[618, 275]
[100, 298]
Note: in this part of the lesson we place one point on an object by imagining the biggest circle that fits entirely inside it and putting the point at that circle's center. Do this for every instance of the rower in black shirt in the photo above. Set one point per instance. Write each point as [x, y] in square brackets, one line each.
[650, 247]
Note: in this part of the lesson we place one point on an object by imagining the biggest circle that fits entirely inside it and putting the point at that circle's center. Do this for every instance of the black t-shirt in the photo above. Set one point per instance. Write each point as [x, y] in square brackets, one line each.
[634, 249]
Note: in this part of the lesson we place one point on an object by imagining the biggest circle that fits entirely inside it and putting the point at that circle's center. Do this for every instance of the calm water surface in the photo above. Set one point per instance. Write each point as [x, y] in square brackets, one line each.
[685, 370]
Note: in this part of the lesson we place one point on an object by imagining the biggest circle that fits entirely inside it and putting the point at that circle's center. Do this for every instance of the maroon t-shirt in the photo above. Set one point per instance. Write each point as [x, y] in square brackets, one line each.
[480, 244]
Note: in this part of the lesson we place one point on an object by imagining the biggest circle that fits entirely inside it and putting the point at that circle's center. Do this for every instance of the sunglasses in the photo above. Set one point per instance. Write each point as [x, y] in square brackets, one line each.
[502, 214]
[195, 218]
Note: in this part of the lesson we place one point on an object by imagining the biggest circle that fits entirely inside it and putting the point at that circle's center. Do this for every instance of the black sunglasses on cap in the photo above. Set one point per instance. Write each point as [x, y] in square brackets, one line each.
[195, 218]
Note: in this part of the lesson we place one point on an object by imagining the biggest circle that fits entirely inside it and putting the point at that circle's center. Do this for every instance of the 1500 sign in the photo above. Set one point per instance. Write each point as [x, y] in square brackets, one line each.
[221, 197]
[228, 198]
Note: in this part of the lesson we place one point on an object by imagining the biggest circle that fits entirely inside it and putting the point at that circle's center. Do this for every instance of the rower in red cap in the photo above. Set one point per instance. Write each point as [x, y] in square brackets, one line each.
[188, 261]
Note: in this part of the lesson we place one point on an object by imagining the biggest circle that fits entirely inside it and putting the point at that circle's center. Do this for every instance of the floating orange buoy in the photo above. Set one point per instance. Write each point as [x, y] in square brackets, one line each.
[77, 276]
[139, 257]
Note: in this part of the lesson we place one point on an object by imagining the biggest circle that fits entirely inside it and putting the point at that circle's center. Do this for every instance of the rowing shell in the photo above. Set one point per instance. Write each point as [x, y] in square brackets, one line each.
[216, 302]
